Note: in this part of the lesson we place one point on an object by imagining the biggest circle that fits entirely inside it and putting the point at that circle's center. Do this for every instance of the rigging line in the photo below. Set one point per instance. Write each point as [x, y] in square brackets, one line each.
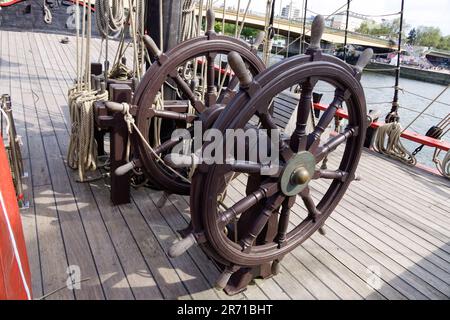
[237, 19]
[244, 18]
[377, 15]
[327, 17]
[429, 105]
[289, 31]
[423, 97]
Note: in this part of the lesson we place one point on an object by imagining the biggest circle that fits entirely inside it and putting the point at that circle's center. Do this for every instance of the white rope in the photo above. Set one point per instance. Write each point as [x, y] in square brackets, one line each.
[387, 142]
[109, 18]
[132, 126]
[187, 20]
[444, 165]
[82, 153]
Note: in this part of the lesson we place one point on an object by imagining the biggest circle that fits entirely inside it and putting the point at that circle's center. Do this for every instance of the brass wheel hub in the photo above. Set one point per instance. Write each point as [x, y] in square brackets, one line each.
[298, 173]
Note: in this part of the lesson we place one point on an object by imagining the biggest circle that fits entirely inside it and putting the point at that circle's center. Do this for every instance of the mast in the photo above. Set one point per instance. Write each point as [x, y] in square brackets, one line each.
[171, 21]
[393, 115]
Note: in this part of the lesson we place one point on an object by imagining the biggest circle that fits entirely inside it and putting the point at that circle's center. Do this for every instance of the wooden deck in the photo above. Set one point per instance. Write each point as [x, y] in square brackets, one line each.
[394, 223]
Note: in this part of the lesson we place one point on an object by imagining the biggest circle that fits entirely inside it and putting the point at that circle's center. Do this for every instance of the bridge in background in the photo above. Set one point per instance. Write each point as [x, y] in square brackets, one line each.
[294, 30]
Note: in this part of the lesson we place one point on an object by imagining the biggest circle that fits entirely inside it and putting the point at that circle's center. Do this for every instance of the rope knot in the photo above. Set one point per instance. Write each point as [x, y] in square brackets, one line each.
[128, 117]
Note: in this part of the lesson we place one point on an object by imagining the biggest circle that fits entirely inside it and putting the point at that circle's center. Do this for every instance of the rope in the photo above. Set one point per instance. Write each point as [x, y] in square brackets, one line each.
[48, 17]
[133, 127]
[392, 147]
[82, 152]
[187, 20]
[429, 105]
[444, 165]
[110, 17]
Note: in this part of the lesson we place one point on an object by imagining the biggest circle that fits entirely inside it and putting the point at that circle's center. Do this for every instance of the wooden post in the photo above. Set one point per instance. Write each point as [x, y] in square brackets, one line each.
[120, 185]
[171, 22]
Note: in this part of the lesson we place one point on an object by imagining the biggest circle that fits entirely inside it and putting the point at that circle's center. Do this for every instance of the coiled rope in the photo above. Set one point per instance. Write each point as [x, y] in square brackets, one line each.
[82, 152]
[109, 19]
[444, 165]
[387, 142]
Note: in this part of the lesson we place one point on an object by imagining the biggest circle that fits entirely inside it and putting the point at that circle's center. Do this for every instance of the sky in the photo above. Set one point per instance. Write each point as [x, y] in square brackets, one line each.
[434, 13]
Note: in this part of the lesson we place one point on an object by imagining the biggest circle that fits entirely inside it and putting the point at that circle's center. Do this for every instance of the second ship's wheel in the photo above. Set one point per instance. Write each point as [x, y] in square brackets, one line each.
[169, 68]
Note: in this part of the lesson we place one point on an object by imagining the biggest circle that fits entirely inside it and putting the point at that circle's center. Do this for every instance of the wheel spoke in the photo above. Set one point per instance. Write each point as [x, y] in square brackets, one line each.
[283, 222]
[211, 90]
[325, 120]
[331, 175]
[228, 94]
[171, 115]
[169, 144]
[184, 87]
[298, 138]
[265, 191]
[335, 142]
[260, 222]
[254, 168]
[313, 212]
[285, 150]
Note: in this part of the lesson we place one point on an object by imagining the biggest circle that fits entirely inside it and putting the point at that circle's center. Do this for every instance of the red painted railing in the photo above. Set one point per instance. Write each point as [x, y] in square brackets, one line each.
[409, 135]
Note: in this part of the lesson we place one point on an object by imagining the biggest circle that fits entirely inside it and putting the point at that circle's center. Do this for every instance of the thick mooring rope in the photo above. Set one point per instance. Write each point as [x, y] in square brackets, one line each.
[387, 142]
[443, 166]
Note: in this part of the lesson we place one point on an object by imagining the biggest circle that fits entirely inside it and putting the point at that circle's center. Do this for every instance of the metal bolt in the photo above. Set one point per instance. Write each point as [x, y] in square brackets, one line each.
[300, 176]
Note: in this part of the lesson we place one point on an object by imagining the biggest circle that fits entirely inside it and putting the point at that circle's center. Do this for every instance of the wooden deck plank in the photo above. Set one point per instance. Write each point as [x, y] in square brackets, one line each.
[77, 245]
[178, 222]
[298, 211]
[140, 278]
[28, 215]
[369, 195]
[385, 231]
[194, 279]
[116, 274]
[405, 195]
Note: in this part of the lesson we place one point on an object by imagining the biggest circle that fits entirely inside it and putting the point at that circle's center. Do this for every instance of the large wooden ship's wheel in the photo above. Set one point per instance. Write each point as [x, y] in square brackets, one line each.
[170, 68]
[260, 227]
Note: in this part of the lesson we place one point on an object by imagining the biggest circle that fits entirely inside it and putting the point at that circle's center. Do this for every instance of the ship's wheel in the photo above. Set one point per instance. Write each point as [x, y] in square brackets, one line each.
[279, 209]
[170, 68]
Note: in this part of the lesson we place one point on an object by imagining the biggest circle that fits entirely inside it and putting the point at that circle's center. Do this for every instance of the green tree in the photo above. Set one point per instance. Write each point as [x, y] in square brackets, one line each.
[428, 36]
[388, 28]
[230, 30]
[444, 43]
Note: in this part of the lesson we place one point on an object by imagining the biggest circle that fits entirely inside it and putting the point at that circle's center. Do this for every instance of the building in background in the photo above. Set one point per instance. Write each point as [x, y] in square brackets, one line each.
[291, 12]
[354, 21]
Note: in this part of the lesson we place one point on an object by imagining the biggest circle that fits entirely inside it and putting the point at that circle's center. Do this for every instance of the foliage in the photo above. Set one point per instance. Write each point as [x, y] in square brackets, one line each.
[420, 36]
[386, 28]
[230, 29]
[428, 36]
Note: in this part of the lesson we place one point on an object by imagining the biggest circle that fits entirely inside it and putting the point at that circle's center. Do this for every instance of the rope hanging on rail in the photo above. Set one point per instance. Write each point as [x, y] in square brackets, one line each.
[387, 142]
[444, 165]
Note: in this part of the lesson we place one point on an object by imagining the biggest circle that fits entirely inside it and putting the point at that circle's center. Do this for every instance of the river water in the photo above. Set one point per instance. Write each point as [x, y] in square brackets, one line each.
[378, 99]
[379, 93]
